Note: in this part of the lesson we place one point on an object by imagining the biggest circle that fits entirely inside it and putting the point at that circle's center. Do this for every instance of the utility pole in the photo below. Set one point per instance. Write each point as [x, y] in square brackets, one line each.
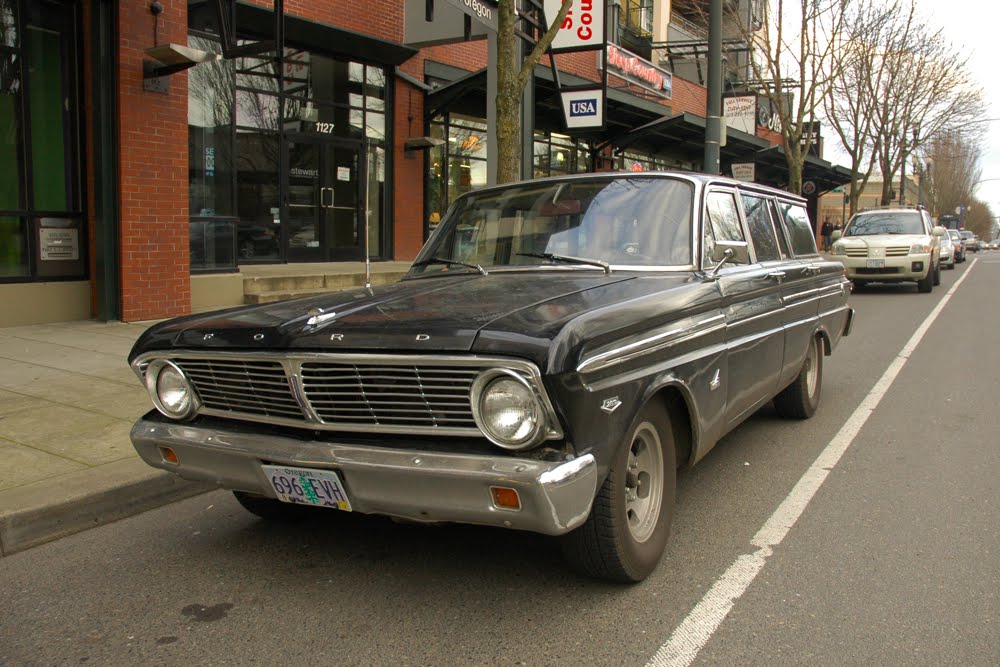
[713, 121]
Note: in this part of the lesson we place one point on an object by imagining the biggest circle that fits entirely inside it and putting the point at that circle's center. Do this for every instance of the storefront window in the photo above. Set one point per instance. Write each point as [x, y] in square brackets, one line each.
[11, 147]
[558, 154]
[210, 134]
[42, 234]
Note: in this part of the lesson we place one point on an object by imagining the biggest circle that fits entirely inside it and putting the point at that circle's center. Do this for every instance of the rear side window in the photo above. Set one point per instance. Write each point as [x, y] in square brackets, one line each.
[800, 230]
[762, 231]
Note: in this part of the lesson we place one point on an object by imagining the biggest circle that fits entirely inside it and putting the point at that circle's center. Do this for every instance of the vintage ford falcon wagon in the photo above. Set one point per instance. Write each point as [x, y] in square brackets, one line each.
[558, 349]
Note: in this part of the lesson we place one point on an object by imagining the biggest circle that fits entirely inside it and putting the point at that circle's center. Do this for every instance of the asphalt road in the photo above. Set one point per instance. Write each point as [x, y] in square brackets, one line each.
[894, 561]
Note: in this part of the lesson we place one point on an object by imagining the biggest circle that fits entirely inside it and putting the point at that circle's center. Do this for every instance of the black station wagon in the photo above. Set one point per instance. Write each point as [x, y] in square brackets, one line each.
[559, 348]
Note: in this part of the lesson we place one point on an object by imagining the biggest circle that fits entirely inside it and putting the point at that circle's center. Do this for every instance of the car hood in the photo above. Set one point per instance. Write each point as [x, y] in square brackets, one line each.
[439, 314]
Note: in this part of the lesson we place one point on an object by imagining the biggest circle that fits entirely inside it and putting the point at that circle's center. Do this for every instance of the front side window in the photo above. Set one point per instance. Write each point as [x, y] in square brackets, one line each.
[723, 221]
[618, 221]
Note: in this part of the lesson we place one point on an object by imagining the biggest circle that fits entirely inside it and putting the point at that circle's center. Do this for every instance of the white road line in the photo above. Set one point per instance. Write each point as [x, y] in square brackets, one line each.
[701, 623]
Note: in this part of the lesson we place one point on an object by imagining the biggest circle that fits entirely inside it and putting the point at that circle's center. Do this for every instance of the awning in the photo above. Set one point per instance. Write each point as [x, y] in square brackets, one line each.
[772, 168]
[322, 37]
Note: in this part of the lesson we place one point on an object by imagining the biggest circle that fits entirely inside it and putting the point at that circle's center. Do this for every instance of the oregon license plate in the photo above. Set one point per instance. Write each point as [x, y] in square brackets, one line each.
[876, 263]
[308, 486]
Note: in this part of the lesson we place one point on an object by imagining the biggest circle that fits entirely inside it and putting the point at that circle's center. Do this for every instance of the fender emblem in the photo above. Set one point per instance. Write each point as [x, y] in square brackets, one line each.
[259, 336]
[336, 336]
[423, 337]
[610, 404]
[716, 381]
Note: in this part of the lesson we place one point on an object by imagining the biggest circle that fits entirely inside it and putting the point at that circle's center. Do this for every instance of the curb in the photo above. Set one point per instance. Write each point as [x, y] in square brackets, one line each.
[72, 503]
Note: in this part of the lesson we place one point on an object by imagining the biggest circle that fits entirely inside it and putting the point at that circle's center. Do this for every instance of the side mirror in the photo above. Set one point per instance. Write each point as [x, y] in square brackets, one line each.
[939, 231]
[728, 252]
[837, 234]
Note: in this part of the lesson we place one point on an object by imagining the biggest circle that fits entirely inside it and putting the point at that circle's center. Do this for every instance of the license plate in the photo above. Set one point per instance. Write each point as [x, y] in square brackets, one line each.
[876, 263]
[308, 486]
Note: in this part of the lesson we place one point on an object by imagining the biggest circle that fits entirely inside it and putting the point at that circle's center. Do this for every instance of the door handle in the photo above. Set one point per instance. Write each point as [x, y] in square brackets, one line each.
[813, 269]
[322, 197]
[777, 276]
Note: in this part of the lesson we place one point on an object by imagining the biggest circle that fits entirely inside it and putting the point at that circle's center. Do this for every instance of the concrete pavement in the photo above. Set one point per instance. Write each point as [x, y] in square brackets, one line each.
[67, 402]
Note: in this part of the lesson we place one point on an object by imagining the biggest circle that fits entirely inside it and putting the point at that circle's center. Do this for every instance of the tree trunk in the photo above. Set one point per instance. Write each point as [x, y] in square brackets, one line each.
[508, 102]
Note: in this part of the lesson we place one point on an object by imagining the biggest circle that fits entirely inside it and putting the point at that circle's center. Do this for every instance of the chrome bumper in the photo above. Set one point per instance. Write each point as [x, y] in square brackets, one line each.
[419, 486]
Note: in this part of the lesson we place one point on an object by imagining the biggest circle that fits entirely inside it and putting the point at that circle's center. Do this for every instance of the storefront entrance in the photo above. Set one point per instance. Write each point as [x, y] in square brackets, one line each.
[324, 213]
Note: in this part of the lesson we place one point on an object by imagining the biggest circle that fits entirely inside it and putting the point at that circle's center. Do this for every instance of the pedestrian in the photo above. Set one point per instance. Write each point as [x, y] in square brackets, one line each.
[827, 233]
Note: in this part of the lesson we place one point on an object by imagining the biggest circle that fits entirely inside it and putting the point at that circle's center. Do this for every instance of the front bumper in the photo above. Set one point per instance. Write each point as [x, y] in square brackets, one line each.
[419, 486]
[893, 268]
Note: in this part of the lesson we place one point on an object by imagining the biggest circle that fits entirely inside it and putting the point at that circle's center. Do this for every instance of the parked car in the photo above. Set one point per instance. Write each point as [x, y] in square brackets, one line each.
[947, 252]
[891, 245]
[969, 241]
[956, 242]
[559, 348]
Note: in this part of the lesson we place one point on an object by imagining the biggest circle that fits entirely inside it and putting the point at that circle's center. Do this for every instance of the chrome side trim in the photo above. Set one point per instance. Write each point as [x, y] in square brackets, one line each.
[826, 290]
[649, 344]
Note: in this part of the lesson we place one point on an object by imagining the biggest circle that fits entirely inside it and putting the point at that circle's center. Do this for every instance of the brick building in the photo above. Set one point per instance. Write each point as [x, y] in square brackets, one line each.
[148, 147]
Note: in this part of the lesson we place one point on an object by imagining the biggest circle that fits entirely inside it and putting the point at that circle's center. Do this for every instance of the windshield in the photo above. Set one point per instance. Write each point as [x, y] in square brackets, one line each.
[885, 222]
[590, 224]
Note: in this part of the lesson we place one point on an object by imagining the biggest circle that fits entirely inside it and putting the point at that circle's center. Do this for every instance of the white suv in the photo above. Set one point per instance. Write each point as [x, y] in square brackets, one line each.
[891, 245]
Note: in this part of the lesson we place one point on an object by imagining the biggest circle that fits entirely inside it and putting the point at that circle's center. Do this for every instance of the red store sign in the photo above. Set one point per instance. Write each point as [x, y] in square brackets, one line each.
[632, 68]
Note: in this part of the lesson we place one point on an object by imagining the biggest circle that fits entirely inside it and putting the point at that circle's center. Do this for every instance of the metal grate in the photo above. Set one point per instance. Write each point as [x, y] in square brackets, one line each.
[249, 387]
[390, 395]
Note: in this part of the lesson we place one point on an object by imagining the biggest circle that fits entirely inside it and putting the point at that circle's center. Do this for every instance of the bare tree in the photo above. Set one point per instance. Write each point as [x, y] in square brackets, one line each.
[796, 49]
[512, 77]
[955, 169]
[926, 89]
[850, 107]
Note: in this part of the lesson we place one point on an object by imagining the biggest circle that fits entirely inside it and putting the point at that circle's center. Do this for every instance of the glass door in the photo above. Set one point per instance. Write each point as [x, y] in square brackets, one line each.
[324, 202]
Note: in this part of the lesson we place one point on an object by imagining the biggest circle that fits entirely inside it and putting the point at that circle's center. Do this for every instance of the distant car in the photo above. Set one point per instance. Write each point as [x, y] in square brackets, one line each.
[896, 244]
[994, 245]
[956, 241]
[947, 252]
[969, 241]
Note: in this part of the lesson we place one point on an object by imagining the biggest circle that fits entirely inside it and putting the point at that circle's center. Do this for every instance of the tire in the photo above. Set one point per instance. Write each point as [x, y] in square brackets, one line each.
[624, 537]
[926, 284]
[271, 509]
[937, 274]
[800, 399]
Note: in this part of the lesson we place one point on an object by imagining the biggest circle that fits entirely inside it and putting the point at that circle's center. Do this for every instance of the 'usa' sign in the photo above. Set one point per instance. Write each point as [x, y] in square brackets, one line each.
[583, 109]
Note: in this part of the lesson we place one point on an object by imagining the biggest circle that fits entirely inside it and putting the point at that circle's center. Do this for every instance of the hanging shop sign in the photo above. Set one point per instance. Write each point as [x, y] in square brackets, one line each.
[744, 171]
[634, 69]
[740, 112]
[484, 11]
[583, 27]
[583, 109]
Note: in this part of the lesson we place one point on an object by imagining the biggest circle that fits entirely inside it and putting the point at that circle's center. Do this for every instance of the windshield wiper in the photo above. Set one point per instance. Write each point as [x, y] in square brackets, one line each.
[568, 259]
[450, 262]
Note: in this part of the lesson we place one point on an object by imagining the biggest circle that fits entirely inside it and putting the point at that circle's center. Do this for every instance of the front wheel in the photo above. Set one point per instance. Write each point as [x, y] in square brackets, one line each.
[629, 523]
[937, 274]
[800, 399]
[926, 284]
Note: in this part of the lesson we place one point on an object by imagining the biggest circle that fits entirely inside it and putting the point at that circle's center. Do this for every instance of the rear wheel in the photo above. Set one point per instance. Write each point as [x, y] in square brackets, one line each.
[271, 509]
[800, 399]
[629, 523]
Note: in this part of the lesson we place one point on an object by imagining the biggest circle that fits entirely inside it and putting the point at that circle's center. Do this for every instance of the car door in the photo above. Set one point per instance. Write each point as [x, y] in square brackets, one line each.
[751, 302]
[813, 288]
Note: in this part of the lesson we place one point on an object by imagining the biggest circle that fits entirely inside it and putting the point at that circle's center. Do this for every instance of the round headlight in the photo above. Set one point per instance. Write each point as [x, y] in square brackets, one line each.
[506, 409]
[170, 389]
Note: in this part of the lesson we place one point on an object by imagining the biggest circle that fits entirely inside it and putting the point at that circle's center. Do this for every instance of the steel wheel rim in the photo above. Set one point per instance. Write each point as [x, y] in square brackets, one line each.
[812, 368]
[644, 482]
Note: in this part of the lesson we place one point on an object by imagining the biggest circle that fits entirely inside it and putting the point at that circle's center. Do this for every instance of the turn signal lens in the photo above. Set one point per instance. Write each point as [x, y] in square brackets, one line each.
[505, 498]
[169, 455]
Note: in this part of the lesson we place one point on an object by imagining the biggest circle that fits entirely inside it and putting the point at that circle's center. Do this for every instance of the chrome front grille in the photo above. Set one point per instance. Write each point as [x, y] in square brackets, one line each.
[376, 393]
[242, 386]
[890, 251]
[389, 395]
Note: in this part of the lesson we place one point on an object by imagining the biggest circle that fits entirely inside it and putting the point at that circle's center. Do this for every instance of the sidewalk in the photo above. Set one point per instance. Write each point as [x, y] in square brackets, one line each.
[67, 402]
